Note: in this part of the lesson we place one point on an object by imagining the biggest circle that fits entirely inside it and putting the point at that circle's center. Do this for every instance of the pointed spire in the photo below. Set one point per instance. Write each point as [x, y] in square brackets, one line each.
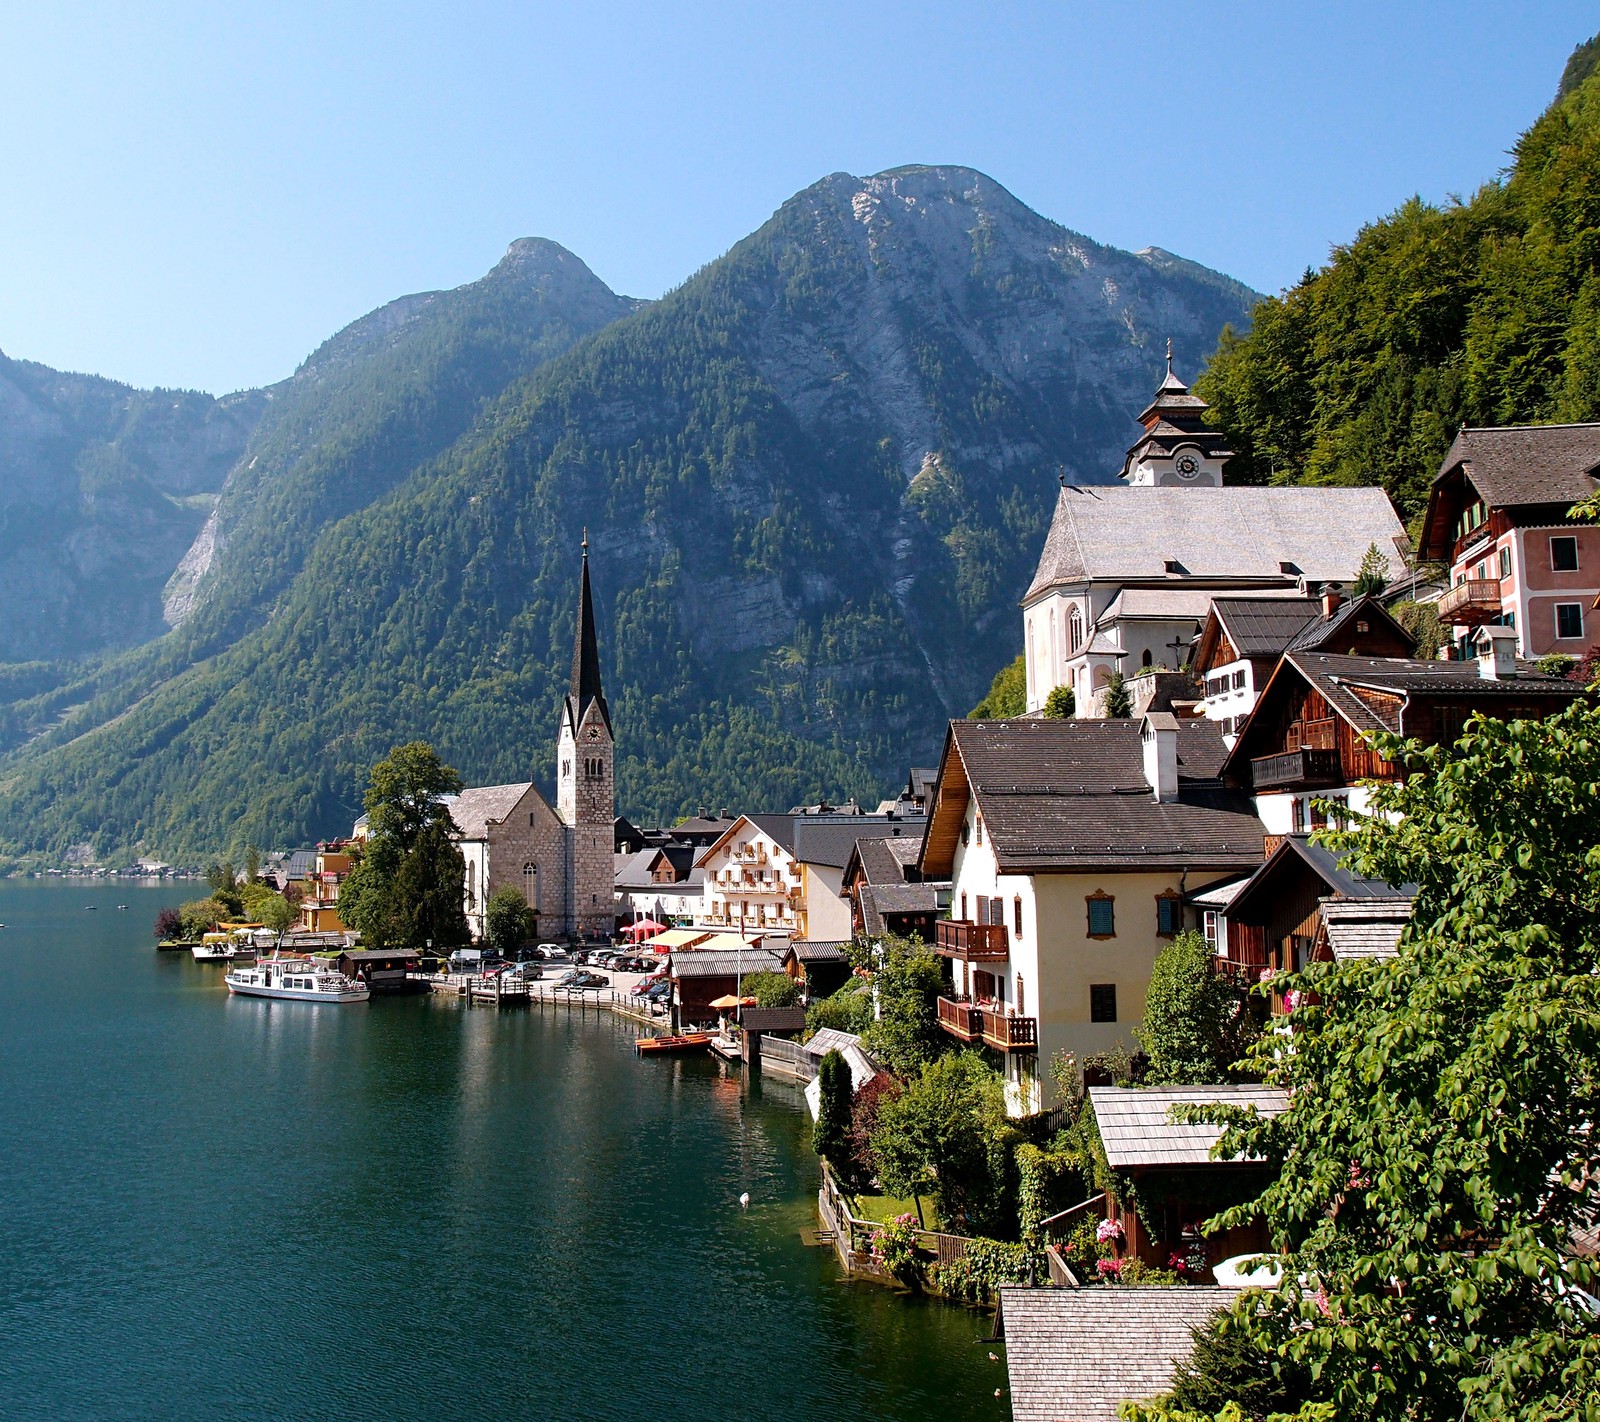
[1169, 372]
[585, 686]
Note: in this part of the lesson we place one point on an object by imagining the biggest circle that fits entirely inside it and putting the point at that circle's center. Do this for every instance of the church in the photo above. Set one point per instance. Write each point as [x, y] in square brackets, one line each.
[559, 859]
[1128, 573]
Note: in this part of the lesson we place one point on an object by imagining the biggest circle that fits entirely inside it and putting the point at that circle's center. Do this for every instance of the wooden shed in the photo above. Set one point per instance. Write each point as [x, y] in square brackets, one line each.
[383, 970]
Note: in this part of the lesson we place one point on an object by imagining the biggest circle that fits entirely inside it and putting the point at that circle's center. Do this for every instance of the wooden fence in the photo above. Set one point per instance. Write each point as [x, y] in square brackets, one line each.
[852, 1236]
[787, 1058]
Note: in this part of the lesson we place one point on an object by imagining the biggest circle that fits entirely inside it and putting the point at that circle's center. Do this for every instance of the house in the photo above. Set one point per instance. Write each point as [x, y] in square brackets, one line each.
[1069, 846]
[702, 975]
[1127, 574]
[1303, 905]
[384, 971]
[824, 845]
[1242, 639]
[319, 905]
[1497, 514]
[1174, 1176]
[821, 968]
[1305, 741]
[886, 891]
[1076, 1355]
[560, 858]
[660, 883]
[703, 830]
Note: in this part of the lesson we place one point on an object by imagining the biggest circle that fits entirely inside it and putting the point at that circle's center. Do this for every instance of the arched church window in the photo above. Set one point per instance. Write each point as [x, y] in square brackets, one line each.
[472, 885]
[1074, 631]
[1146, 659]
[530, 886]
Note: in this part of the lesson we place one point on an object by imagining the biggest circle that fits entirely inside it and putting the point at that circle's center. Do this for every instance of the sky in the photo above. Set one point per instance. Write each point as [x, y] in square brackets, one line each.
[197, 195]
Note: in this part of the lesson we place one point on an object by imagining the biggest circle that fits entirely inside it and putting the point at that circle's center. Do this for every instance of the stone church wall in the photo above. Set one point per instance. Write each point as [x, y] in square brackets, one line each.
[531, 834]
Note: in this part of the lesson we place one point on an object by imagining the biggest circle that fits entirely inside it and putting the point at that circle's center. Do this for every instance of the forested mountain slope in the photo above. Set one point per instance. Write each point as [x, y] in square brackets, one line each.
[815, 478]
[102, 488]
[1479, 312]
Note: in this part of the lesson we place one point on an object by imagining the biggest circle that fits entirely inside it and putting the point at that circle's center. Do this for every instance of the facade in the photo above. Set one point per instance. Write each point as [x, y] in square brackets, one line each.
[1306, 743]
[752, 880]
[701, 976]
[1128, 574]
[662, 884]
[559, 859]
[1069, 846]
[886, 892]
[319, 906]
[1497, 514]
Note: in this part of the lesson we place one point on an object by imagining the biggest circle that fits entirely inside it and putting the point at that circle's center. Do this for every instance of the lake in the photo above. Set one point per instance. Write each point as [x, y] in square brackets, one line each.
[225, 1207]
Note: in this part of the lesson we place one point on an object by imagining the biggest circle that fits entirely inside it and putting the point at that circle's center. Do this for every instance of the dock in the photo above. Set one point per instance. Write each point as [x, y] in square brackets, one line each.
[475, 991]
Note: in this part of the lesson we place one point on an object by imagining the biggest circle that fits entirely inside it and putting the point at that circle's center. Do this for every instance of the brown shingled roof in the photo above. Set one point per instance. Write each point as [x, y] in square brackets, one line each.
[1527, 464]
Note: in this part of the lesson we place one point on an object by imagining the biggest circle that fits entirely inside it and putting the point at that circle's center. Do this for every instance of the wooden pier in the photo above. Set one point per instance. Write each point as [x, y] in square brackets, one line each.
[477, 991]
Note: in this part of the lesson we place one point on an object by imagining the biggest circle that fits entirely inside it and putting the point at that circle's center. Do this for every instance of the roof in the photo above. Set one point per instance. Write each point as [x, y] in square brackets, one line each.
[677, 938]
[1218, 896]
[1527, 464]
[1324, 633]
[830, 841]
[1260, 895]
[301, 863]
[1365, 928]
[473, 809]
[1264, 626]
[830, 1039]
[373, 955]
[773, 1019]
[1071, 794]
[884, 859]
[778, 828]
[1074, 1355]
[731, 943]
[1174, 604]
[720, 963]
[808, 950]
[879, 899]
[1136, 1125]
[1228, 533]
[585, 689]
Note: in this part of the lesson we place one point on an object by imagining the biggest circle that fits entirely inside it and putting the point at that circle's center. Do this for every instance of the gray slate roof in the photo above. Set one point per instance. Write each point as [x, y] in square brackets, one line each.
[830, 841]
[1059, 794]
[1264, 626]
[1122, 534]
[830, 1039]
[1324, 633]
[815, 950]
[1136, 1126]
[724, 962]
[1073, 1355]
[1365, 928]
[885, 860]
[473, 809]
[1527, 464]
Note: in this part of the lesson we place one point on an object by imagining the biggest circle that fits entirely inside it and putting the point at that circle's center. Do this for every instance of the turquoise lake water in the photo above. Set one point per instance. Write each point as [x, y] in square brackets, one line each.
[226, 1208]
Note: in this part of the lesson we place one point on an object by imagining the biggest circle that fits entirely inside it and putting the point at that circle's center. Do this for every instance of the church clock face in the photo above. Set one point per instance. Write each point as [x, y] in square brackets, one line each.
[1188, 466]
[594, 733]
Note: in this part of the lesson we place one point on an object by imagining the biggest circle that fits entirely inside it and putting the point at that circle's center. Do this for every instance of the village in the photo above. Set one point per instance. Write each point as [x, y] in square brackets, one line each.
[1209, 671]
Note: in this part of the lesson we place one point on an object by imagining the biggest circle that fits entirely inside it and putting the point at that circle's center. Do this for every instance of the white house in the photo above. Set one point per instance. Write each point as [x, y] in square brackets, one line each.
[1069, 846]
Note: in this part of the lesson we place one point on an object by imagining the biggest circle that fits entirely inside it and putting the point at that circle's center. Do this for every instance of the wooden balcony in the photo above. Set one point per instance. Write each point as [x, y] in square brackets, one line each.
[1303, 769]
[971, 942]
[1472, 603]
[963, 1019]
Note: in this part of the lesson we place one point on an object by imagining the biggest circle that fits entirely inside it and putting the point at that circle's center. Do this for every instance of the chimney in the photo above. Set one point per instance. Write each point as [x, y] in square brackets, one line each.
[1330, 600]
[1158, 738]
[1497, 653]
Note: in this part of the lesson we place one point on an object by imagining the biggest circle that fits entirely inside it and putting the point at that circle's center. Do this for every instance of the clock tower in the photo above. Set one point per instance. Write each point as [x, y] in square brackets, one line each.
[585, 784]
[1177, 450]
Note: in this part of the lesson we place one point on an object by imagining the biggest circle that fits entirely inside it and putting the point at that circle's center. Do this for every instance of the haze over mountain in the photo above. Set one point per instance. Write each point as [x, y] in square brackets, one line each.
[815, 479]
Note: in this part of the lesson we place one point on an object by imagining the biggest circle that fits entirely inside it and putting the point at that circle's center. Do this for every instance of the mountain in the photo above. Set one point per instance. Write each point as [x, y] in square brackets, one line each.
[815, 479]
[1480, 312]
[102, 488]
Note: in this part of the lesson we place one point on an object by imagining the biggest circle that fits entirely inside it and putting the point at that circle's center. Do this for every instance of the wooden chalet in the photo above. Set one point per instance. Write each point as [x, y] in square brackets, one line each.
[821, 968]
[700, 976]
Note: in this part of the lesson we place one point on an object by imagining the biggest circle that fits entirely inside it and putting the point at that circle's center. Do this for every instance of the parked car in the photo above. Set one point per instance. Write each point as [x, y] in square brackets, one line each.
[659, 992]
[583, 982]
[569, 977]
[526, 972]
[551, 950]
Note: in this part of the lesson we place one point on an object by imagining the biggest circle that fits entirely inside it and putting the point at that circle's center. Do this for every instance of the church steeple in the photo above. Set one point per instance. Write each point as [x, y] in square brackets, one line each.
[585, 689]
[1178, 448]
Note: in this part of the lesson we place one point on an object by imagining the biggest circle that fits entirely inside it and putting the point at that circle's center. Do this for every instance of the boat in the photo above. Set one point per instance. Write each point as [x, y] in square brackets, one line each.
[683, 1042]
[297, 979]
[171, 945]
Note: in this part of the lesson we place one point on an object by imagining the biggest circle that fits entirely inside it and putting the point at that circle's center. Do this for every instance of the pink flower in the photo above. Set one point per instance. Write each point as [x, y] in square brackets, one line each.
[1177, 1262]
[1108, 1230]
[1109, 1267]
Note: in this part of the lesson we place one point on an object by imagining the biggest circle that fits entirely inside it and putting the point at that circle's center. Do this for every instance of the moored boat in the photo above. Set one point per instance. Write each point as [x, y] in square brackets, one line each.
[295, 979]
[683, 1042]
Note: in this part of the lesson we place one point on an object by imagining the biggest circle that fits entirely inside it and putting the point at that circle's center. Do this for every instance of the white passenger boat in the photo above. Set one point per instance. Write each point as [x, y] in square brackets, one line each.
[298, 979]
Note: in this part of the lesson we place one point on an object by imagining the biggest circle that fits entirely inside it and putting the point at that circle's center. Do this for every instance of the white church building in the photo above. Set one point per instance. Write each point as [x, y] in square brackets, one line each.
[1129, 571]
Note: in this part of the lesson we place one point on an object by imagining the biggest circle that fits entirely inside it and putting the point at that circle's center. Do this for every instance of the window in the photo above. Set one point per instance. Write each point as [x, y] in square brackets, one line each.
[963, 908]
[1238, 680]
[1146, 659]
[1016, 914]
[1169, 915]
[978, 825]
[1564, 554]
[532, 821]
[1102, 1002]
[1505, 562]
[1022, 999]
[1299, 813]
[966, 832]
[1569, 619]
[530, 886]
[1074, 630]
[1481, 572]
[1210, 923]
[1102, 916]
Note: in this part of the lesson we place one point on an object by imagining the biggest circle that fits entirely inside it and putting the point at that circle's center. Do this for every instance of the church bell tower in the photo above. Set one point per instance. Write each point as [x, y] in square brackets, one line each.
[585, 783]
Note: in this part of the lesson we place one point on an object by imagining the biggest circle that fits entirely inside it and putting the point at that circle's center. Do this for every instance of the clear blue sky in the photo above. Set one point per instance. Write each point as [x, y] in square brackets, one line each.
[198, 194]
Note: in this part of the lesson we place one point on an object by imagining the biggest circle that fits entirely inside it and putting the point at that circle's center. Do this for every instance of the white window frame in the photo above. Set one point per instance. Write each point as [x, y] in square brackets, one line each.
[1561, 636]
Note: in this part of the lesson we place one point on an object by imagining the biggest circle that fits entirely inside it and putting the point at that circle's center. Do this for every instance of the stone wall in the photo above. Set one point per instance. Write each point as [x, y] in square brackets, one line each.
[532, 834]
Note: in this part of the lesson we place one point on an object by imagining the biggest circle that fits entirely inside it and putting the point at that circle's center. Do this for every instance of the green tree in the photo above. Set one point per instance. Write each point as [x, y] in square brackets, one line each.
[200, 916]
[772, 989]
[405, 888]
[1008, 693]
[1421, 620]
[947, 1135]
[1197, 1024]
[831, 1136]
[1437, 1152]
[1119, 701]
[507, 920]
[848, 1010]
[252, 863]
[1373, 575]
[1060, 704]
[906, 982]
[277, 913]
[221, 876]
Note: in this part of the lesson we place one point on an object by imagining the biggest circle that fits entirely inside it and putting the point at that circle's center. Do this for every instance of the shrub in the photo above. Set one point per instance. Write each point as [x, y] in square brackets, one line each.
[1060, 703]
[833, 1110]
[507, 921]
[984, 1266]
[169, 925]
[864, 1112]
[894, 1245]
[1197, 1024]
[772, 989]
[1555, 664]
[848, 1010]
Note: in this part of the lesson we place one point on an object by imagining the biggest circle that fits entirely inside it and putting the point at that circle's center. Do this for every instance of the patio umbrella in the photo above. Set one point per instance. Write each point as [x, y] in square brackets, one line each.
[728, 1000]
[644, 926]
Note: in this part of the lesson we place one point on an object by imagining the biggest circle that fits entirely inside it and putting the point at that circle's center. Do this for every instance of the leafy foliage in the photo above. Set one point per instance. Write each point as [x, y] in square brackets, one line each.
[772, 989]
[1119, 700]
[864, 1113]
[1437, 1153]
[906, 980]
[277, 913]
[508, 922]
[1008, 693]
[831, 1136]
[847, 1010]
[983, 1268]
[1478, 312]
[168, 925]
[1060, 703]
[1197, 1024]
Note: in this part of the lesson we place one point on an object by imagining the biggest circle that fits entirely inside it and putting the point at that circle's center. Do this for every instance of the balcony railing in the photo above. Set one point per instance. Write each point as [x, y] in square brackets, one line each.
[1296, 769]
[963, 1018]
[1472, 603]
[971, 942]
